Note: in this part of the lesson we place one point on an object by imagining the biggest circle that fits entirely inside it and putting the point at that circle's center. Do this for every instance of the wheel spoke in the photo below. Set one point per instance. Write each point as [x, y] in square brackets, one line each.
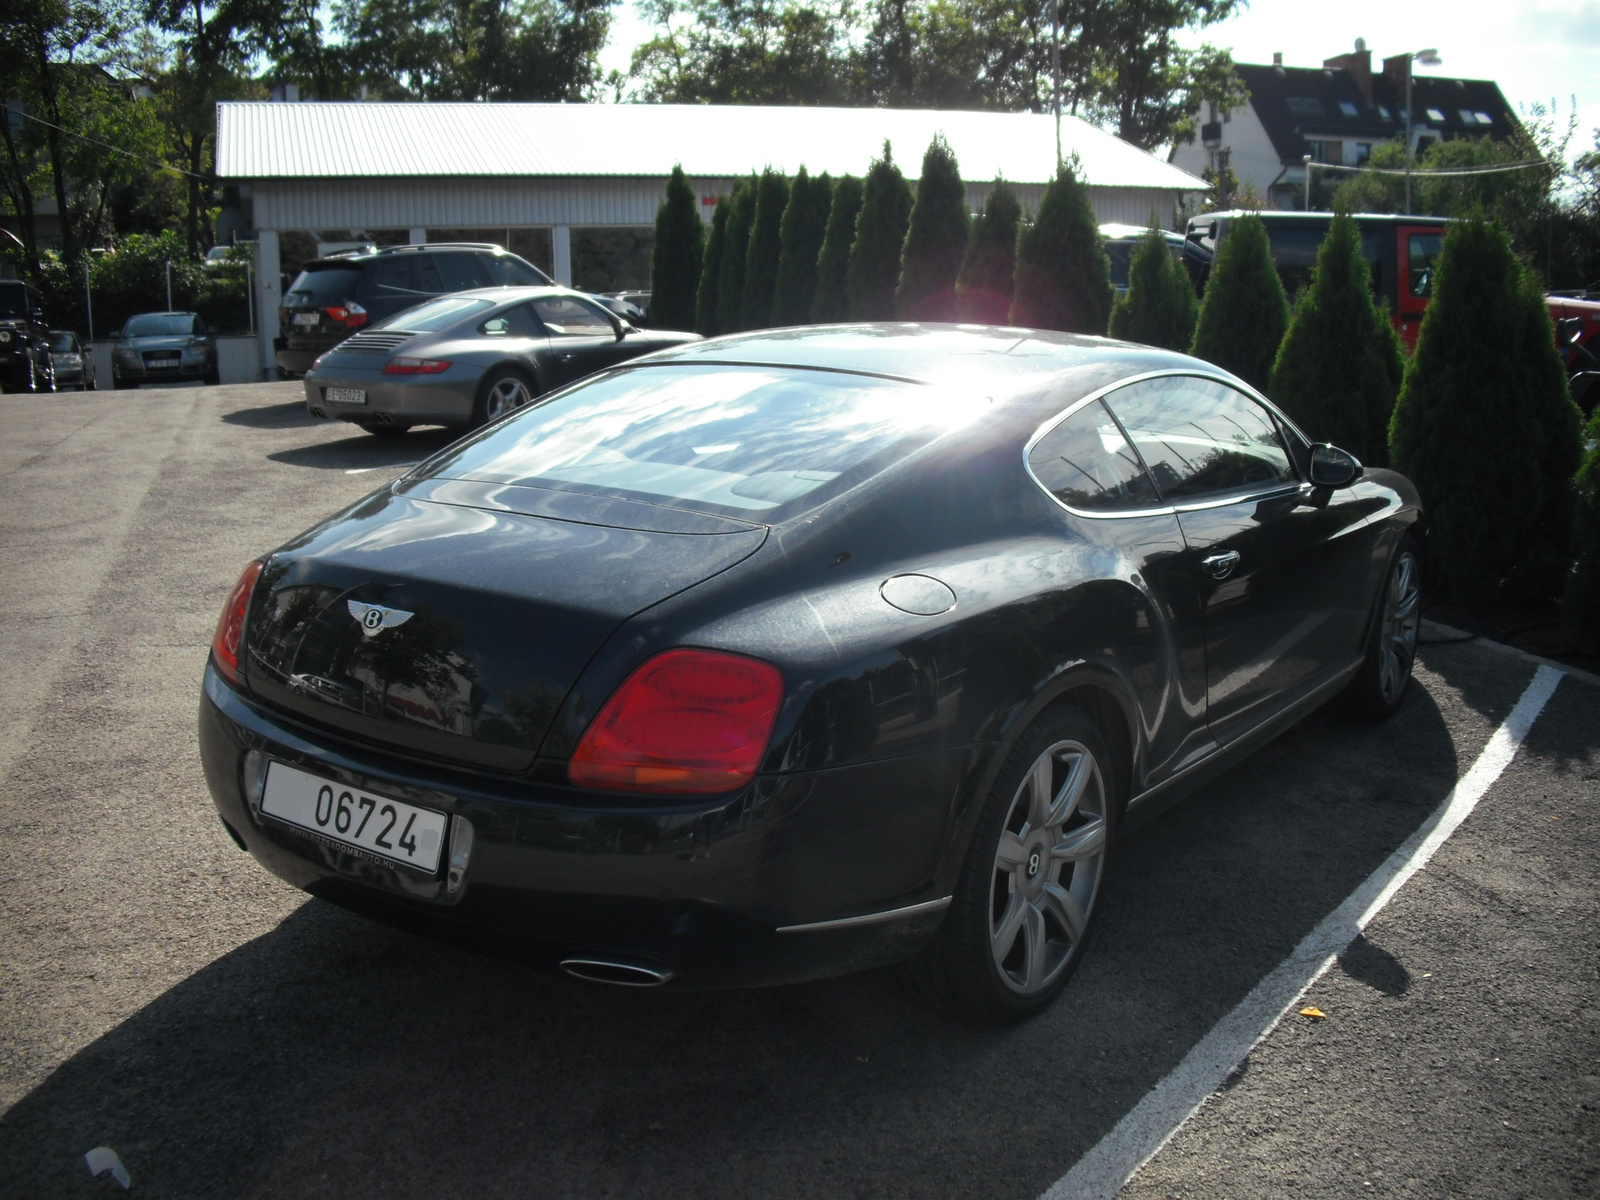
[1011, 853]
[1039, 792]
[1064, 907]
[1086, 841]
[1033, 946]
[1072, 791]
[1005, 931]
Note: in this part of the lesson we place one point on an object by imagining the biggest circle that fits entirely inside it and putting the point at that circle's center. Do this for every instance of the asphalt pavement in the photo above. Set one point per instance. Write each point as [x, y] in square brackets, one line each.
[229, 1036]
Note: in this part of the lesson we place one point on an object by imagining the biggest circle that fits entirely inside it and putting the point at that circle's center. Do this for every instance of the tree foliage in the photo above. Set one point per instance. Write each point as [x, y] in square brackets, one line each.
[805, 222]
[936, 239]
[1244, 313]
[880, 234]
[1580, 602]
[989, 266]
[1159, 307]
[831, 302]
[1340, 364]
[1485, 426]
[742, 52]
[677, 256]
[735, 246]
[1063, 277]
[766, 246]
[705, 304]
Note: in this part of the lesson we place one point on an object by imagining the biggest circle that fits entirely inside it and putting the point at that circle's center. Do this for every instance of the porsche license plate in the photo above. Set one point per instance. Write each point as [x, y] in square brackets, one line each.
[363, 820]
[344, 395]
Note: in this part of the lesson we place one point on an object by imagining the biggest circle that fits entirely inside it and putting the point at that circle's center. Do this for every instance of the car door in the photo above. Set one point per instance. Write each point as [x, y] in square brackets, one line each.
[583, 339]
[1280, 567]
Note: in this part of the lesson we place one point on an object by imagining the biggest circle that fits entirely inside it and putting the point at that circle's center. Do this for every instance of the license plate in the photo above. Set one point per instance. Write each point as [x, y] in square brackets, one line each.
[310, 320]
[161, 360]
[363, 820]
[344, 395]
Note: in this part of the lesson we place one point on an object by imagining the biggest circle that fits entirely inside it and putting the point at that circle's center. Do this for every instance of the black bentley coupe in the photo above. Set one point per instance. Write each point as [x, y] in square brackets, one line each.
[789, 654]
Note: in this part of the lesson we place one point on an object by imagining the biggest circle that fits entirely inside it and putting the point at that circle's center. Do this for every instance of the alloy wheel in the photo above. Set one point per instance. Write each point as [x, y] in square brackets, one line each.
[506, 394]
[1402, 617]
[1047, 867]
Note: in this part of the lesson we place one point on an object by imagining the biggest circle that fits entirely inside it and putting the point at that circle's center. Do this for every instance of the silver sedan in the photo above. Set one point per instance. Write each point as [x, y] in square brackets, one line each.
[465, 359]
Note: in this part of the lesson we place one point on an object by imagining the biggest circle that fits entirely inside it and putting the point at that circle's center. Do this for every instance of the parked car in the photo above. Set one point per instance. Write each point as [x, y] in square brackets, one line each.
[467, 359]
[633, 307]
[1121, 241]
[781, 655]
[24, 339]
[339, 295]
[71, 361]
[160, 347]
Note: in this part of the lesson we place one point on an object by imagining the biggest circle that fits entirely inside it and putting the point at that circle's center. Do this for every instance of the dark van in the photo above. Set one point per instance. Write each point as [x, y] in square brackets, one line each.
[1402, 251]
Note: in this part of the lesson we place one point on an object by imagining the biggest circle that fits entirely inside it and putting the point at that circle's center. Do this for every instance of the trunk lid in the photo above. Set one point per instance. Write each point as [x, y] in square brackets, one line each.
[448, 619]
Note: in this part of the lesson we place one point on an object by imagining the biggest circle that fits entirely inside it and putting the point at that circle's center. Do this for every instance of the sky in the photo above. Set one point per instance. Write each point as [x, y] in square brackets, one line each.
[1536, 50]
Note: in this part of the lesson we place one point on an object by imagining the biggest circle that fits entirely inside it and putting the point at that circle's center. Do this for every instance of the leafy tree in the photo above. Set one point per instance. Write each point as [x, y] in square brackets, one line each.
[936, 239]
[766, 245]
[677, 257]
[705, 304]
[1486, 428]
[805, 222]
[1244, 314]
[832, 300]
[989, 266]
[730, 283]
[1159, 307]
[880, 233]
[1063, 278]
[974, 54]
[1580, 603]
[1340, 364]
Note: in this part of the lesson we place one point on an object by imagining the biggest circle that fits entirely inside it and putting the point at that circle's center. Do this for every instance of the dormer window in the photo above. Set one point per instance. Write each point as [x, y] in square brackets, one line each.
[1383, 111]
[1435, 115]
[1484, 118]
[1304, 106]
[1349, 109]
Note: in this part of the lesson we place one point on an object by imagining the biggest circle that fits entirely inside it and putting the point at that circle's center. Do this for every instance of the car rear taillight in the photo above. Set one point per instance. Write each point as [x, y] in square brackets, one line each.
[349, 314]
[686, 721]
[230, 626]
[414, 366]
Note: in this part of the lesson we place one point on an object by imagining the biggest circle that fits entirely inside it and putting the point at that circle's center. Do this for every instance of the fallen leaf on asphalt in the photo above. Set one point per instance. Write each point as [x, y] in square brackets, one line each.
[104, 1158]
[1316, 1014]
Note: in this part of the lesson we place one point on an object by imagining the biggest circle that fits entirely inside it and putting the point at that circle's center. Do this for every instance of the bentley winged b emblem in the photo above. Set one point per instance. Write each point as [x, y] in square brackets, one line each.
[375, 618]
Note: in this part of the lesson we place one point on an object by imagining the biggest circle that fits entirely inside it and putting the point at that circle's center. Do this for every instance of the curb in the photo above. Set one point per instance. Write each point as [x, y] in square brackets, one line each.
[1435, 629]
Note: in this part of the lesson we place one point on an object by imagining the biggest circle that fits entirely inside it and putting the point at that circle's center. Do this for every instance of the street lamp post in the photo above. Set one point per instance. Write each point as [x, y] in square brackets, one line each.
[1055, 65]
[1428, 58]
[1306, 159]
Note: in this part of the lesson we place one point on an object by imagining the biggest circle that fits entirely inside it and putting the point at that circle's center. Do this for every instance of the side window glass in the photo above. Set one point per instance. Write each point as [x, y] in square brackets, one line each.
[427, 276]
[200, 329]
[1201, 438]
[1423, 249]
[568, 316]
[1087, 464]
[458, 272]
[505, 271]
[514, 322]
[388, 279]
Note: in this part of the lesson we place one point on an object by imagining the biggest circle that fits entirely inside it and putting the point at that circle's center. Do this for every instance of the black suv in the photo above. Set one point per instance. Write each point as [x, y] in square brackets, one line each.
[25, 364]
[333, 297]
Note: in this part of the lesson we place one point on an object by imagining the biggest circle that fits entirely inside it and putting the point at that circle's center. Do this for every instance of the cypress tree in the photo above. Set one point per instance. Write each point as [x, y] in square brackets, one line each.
[1340, 364]
[736, 244]
[936, 239]
[705, 305]
[831, 303]
[805, 222]
[1159, 307]
[880, 233]
[676, 260]
[766, 244]
[1244, 314]
[983, 288]
[1063, 277]
[1580, 604]
[1486, 428]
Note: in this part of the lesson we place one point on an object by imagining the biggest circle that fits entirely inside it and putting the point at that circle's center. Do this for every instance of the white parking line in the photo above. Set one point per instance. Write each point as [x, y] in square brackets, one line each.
[1112, 1161]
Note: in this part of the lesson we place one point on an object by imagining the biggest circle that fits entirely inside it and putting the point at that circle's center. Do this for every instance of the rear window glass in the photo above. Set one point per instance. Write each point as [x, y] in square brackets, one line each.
[1086, 463]
[324, 285]
[506, 271]
[13, 300]
[63, 343]
[761, 443]
[436, 314]
[160, 325]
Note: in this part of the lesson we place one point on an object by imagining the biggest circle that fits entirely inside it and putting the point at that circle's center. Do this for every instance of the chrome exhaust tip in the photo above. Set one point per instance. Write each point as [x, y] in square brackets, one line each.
[617, 972]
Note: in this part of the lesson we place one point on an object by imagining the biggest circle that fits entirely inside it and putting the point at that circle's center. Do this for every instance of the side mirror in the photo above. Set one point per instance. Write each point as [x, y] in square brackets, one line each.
[617, 326]
[1332, 467]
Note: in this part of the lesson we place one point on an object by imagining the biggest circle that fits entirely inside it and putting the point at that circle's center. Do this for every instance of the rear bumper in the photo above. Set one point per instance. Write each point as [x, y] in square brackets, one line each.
[443, 399]
[766, 887]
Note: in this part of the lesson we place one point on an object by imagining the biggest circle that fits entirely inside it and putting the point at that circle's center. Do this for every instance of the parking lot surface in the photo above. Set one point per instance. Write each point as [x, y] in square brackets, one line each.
[229, 1036]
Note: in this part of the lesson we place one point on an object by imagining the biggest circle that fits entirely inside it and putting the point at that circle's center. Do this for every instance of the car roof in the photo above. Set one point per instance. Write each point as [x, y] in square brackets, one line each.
[356, 258]
[1117, 233]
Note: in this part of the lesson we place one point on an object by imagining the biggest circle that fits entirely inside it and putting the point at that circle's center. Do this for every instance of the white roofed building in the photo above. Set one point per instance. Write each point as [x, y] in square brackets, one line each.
[574, 187]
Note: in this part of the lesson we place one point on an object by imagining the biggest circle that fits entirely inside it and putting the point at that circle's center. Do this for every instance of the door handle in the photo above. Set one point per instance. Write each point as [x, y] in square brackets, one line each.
[1220, 566]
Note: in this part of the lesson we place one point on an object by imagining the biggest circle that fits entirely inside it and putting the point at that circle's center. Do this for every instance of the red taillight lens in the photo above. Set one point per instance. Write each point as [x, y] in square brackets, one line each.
[414, 366]
[349, 314]
[230, 626]
[686, 721]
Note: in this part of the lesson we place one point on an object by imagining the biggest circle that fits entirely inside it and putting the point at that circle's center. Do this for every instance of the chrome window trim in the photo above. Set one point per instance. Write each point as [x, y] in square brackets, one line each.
[1166, 510]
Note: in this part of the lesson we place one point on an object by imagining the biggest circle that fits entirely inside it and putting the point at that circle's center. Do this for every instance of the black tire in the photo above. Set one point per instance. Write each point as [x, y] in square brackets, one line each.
[498, 395]
[378, 429]
[957, 969]
[1379, 688]
[213, 379]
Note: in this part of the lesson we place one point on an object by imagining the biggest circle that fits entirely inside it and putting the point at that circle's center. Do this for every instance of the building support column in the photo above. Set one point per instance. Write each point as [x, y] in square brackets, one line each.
[267, 271]
[419, 236]
[561, 243]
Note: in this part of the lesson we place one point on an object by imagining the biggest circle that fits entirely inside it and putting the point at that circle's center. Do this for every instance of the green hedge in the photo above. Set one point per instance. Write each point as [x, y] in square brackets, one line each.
[989, 266]
[134, 280]
[1063, 278]
[1244, 314]
[1159, 308]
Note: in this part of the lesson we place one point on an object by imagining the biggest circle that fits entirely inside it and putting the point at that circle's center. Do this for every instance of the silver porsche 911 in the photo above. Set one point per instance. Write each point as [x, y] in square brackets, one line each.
[465, 359]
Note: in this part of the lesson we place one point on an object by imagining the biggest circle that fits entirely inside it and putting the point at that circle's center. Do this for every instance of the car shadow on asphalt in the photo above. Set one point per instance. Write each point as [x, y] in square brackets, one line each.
[337, 1057]
[272, 416]
[364, 450]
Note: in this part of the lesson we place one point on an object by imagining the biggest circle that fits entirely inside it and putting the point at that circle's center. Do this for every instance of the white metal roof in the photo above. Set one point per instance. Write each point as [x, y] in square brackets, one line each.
[264, 140]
